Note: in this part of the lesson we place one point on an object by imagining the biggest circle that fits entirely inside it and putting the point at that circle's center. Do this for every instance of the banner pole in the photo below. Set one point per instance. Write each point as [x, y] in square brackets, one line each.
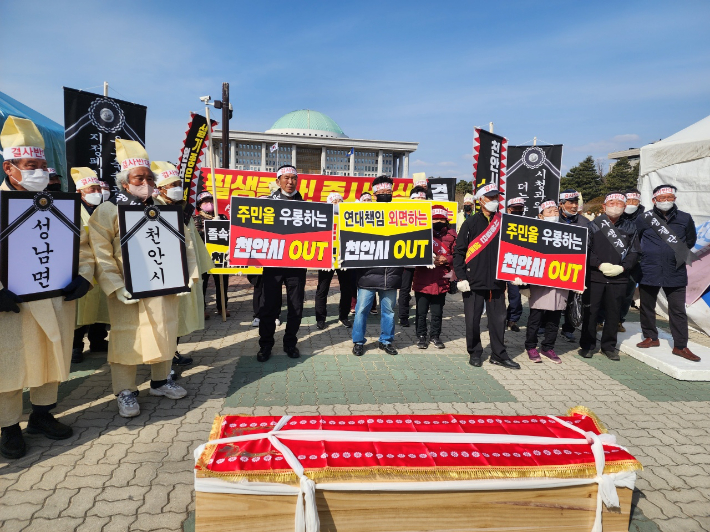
[106, 88]
[490, 127]
[214, 196]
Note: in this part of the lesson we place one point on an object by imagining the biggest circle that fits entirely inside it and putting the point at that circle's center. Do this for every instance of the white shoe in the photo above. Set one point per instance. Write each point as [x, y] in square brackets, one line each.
[128, 404]
[255, 323]
[278, 322]
[169, 390]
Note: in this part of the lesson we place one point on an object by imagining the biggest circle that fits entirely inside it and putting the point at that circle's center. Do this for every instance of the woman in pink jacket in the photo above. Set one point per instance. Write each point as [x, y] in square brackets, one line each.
[431, 284]
[546, 305]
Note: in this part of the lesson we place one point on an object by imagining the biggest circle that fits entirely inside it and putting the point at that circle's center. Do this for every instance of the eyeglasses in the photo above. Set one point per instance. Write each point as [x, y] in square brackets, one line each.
[665, 197]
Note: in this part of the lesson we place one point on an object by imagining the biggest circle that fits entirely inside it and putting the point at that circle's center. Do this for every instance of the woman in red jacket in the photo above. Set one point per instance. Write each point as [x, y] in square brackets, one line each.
[431, 284]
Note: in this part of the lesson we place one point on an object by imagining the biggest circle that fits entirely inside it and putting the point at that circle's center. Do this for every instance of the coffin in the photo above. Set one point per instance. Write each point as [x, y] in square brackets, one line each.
[408, 473]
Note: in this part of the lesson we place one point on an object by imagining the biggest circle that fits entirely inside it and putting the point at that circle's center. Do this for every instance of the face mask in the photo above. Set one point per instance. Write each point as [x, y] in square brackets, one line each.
[665, 206]
[106, 194]
[175, 193]
[517, 212]
[550, 218]
[207, 207]
[439, 226]
[142, 192]
[336, 208]
[94, 198]
[54, 187]
[467, 208]
[614, 211]
[289, 194]
[630, 209]
[34, 180]
[491, 206]
[567, 213]
[383, 198]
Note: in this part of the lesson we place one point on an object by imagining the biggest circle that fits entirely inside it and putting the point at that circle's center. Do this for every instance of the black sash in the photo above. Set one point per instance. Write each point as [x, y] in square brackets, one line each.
[682, 254]
[618, 239]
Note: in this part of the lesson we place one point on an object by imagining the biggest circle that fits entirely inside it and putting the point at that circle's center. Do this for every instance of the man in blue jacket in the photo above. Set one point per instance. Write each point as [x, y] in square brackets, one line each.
[667, 236]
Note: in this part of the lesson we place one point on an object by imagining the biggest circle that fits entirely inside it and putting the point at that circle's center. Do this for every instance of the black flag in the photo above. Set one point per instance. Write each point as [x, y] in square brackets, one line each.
[92, 123]
[534, 174]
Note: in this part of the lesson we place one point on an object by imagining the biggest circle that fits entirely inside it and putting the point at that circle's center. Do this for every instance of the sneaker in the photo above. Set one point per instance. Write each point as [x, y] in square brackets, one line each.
[534, 355]
[437, 343]
[179, 360]
[422, 343]
[44, 423]
[586, 353]
[255, 322]
[621, 327]
[12, 444]
[169, 390]
[346, 323]
[568, 336]
[513, 326]
[128, 404]
[278, 322]
[77, 355]
[373, 311]
[320, 325]
[552, 356]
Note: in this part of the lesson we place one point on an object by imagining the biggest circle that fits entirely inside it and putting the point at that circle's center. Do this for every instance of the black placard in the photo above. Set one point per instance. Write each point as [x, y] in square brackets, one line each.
[533, 173]
[92, 123]
[443, 188]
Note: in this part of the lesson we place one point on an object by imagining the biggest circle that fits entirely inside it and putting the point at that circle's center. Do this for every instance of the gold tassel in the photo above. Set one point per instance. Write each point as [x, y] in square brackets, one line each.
[584, 411]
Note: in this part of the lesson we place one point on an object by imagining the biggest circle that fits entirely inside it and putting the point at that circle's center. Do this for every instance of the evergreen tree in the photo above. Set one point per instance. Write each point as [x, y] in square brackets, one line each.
[464, 187]
[623, 175]
[584, 178]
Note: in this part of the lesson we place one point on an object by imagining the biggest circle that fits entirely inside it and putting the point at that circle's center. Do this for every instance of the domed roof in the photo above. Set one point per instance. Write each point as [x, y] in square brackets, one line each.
[307, 123]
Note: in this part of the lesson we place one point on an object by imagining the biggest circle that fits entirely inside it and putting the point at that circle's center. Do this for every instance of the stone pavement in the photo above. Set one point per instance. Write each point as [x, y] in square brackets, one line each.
[117, 475]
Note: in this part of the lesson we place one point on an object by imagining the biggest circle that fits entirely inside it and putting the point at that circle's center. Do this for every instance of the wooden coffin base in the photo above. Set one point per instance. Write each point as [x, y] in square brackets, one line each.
[570, 509]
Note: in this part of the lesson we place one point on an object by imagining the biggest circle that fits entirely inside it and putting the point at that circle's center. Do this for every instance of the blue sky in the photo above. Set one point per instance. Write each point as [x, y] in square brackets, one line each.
[595, 76]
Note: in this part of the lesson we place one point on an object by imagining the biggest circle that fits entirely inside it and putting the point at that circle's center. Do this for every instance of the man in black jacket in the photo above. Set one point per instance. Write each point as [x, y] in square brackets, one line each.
[667, 236]
[611, 255]
[632, 211]
[569, 214]
[382, 281]
[273, 278]
[475, 259]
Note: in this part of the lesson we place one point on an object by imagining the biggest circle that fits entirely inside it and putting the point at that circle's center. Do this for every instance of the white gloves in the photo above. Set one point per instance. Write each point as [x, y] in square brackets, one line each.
[517, 282]
[431, 266]
[463, 286]
[124, 296]
[610, 270]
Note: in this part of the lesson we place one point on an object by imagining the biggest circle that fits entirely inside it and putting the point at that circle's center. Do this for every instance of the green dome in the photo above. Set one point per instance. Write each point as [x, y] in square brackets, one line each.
[307, 123]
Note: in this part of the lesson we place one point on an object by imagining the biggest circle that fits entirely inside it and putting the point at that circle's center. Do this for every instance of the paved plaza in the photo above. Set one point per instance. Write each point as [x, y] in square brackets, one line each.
[116, 474]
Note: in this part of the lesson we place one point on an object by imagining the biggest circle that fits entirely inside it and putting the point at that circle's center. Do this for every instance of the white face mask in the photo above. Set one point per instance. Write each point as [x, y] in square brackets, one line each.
[630, 209]
[95, 198]
[665, 206]
[550, 218]
[175, 194]
[34, 180]
[106, 194]
[614, 211]
[491, 206]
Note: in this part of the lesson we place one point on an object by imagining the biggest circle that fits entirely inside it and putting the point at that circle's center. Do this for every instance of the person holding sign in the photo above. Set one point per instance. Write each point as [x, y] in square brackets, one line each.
[191, 316]
[142, 331]
[92, 309]
[475, 264]
[377, 281]
[273, 278]
[546, 305]
[667, 237]
[611, 254]
[514, 311]
[35, 337]
[432, 284]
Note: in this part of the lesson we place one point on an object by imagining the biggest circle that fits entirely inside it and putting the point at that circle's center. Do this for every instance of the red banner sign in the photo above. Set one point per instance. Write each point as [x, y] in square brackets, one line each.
[313, 187]
[542, 253]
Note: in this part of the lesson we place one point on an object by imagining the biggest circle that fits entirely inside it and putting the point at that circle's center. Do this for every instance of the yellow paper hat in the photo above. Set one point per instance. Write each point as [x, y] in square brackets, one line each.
[84, 177]
[419, 179]
[21, 139]
[131, 154]
[167, 173]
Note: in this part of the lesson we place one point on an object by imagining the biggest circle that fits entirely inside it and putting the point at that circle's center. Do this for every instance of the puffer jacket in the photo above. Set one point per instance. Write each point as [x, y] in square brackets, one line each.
[480, 271]
[658, 264]
[379, 278]
[434, 281]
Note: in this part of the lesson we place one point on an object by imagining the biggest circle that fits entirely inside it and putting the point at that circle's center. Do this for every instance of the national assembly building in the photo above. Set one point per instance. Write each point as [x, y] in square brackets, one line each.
[314, 144]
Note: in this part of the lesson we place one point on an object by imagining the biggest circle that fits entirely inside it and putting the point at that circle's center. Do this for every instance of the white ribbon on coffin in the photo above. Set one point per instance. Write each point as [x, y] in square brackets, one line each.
[307, 511]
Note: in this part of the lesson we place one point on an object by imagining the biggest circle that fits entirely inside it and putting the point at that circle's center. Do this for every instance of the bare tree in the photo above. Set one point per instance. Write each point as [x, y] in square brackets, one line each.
[600, 167]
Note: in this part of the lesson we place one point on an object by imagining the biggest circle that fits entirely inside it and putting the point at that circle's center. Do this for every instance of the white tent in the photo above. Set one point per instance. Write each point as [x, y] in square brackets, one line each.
[683, 160]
